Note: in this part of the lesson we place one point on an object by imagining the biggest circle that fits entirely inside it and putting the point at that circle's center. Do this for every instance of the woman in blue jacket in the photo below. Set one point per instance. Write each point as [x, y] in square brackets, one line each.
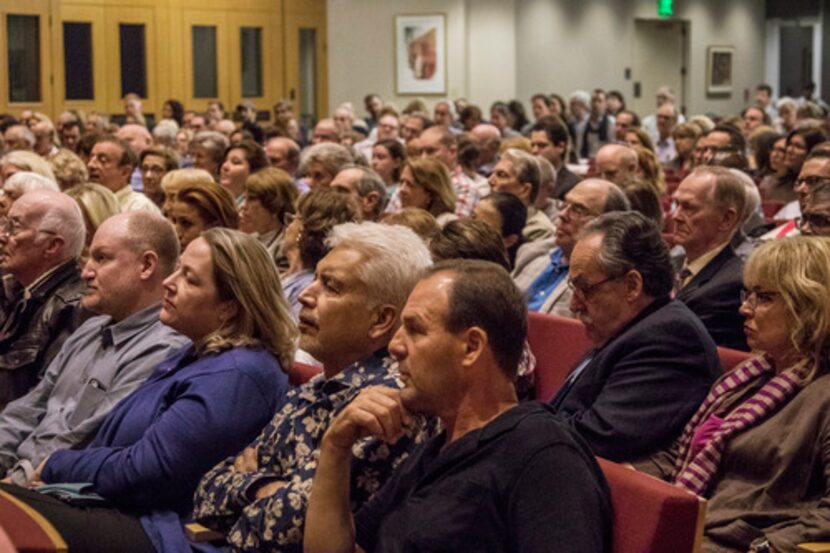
[206, 402]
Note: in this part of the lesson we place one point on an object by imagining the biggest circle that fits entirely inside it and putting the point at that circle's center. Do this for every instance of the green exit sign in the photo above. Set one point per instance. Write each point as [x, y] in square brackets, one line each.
[665, 8]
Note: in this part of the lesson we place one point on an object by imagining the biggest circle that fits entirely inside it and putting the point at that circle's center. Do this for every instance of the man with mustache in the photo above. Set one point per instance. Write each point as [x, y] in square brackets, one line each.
[349, 314]
[652, 360]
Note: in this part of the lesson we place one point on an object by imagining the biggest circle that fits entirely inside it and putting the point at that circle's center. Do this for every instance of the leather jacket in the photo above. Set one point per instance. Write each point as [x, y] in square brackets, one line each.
[34, 329]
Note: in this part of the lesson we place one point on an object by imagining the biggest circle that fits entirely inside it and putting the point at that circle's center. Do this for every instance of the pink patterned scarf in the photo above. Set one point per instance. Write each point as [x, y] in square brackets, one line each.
[694, 470]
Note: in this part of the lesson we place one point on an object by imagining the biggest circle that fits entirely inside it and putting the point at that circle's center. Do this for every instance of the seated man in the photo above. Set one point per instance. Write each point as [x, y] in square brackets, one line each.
[108, 356]
[349, 314]
[815, 219]
[652, 362]
[44, 238]
[365, 186]
[541, 269]
[503, 476]
[518, 173]
[710, 206]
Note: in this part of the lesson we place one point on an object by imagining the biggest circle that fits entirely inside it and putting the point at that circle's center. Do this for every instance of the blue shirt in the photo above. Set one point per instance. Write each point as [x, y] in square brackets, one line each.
[156, 444]
[547, 281]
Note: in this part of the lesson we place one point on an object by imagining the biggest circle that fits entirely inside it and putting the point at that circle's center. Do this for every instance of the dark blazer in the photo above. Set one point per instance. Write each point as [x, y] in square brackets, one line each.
[565, 180]
[640, 389]
[714, 295]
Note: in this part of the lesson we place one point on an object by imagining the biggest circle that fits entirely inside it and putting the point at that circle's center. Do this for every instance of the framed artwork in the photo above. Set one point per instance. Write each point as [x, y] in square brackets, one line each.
[421, 54]
[719, 62]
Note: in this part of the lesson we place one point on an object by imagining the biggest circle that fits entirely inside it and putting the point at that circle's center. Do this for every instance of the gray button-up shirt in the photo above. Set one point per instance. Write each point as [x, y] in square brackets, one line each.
[98, 365]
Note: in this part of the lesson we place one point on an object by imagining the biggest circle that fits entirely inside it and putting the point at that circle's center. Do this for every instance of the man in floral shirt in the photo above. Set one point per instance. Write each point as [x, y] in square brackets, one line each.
[349, 314]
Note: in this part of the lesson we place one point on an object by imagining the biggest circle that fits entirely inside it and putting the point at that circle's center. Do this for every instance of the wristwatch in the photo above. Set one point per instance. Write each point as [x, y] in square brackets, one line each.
[761, 545]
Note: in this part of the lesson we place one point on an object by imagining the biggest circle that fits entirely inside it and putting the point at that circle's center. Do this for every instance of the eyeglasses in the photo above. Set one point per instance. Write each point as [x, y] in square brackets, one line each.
[814, 220]
[810, 181]
[754, 298]
[585, 291]
[577, 210]
[13, 227]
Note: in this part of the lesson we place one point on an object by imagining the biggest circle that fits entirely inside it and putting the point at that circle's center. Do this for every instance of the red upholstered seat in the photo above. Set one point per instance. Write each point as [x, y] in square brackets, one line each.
[302, 373]
[26, 529]
[651, 515]
[731, 358]
[557, 343]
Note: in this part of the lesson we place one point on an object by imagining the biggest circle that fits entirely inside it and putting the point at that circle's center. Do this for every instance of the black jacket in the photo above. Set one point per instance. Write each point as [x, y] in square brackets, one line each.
[33, 330]
[638, 391]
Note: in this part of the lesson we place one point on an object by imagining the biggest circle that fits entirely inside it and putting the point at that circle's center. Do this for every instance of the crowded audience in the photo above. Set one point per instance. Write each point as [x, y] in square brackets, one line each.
[267, 335]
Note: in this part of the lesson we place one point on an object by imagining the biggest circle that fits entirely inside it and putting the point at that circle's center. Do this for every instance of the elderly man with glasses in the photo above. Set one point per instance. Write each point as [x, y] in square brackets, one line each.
[44, 236]
[542, 267]
[652, 361]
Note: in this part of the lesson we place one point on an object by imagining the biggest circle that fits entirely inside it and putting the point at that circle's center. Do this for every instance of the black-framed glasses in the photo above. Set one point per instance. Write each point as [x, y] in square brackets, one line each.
[585, 291]
[753, 297]
[810, 181]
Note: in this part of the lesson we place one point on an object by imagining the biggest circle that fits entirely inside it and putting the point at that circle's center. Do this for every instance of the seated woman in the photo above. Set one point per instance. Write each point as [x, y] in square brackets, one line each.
[270, 195]
[426, 183]
[758, 447]
[205, 402]
[242, 159]
[304, 244]
[199, 207]
[507, 215]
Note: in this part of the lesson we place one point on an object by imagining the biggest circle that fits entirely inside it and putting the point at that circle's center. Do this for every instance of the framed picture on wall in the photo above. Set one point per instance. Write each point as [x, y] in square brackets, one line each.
[719, 69]
[421, 54]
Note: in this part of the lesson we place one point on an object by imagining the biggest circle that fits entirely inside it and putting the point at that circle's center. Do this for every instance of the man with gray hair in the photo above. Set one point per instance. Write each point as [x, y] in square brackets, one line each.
[487, 139]
[45, 235]
[365, 186]
[652, 361]
[18, 137]
[350, 313]
[108, 356]
[617, 163]
[321, 162]
[709, 211]
[541, 268]
[518, 173]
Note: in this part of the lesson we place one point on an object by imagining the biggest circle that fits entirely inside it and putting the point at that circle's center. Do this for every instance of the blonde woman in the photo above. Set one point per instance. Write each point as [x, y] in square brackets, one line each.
[69, 169]
[757, 448]
[173, 181]
[204, 403]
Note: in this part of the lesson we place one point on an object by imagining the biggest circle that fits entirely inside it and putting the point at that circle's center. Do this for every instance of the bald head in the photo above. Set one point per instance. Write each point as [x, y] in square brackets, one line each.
[487, 139]
[136, 136]
[283, 153]
[586, 201]
[616, 163]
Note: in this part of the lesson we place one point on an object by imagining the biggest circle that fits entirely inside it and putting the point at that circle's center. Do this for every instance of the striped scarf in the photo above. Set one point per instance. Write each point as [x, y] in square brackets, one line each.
[695, 472]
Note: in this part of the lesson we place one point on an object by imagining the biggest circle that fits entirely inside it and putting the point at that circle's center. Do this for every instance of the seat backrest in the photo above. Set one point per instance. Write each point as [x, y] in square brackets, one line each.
[302, 373]
[651, 515]
[557, 343]
[27, 529]
[731, 358]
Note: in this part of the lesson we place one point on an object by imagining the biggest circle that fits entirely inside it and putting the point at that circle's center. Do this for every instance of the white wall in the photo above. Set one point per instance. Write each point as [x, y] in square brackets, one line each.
[500, 49]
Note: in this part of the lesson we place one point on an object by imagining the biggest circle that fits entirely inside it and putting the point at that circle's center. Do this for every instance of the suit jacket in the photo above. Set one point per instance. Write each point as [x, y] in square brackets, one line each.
[565, 180]
[640, 389]
[714, 295]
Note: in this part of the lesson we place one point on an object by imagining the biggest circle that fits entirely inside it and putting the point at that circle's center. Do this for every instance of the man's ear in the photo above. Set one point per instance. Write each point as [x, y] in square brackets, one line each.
[729, 219]
[510, 241]
[633, 285]
[475, 342]
[385, 320]
[370, 200]
[149, 264]
[55, 246]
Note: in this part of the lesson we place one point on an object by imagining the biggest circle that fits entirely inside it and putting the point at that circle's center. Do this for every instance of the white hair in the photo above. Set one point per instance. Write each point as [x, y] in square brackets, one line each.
[450, 106]
[165, 131]
[752, 198]
[62, 215]
[395, 258]
[27, 181]
[28, 161]
[581, 96]
[786, 101]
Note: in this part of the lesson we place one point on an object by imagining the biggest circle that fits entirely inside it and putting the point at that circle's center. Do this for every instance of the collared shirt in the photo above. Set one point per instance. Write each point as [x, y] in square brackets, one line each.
[136, 180]
[522, 482]
[98, 365]
[293, 285]
[27, 291]
[547, 281]
[287, 450]
[666, 151]
[129, 200]
[691, 268]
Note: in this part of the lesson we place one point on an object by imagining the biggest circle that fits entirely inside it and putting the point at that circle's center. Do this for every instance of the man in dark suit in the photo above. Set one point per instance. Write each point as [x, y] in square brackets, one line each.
[710, 203]
[653, 361]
